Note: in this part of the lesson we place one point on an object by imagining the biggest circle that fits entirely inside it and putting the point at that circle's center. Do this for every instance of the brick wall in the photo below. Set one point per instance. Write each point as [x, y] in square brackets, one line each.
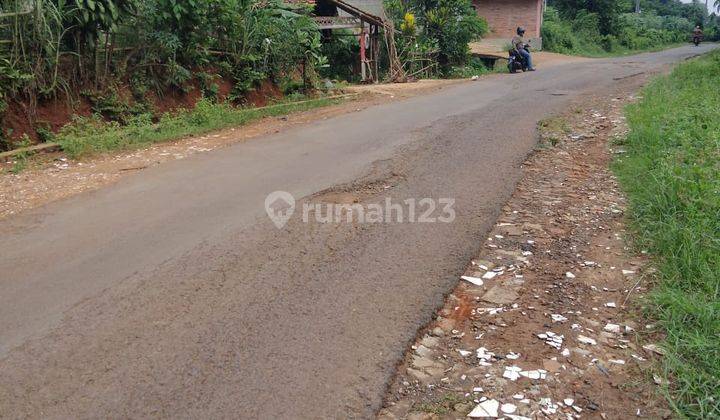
[504, 16]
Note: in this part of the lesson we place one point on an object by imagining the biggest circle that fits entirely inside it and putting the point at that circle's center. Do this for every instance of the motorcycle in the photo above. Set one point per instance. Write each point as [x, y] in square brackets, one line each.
[516, 61]
[696, 40]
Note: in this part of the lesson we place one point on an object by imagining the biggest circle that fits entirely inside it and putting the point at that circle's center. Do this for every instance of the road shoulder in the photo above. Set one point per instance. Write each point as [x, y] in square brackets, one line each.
[546, 321]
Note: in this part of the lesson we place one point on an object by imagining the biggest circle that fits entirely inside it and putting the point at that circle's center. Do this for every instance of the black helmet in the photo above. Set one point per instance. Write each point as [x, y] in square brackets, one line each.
[520, 30]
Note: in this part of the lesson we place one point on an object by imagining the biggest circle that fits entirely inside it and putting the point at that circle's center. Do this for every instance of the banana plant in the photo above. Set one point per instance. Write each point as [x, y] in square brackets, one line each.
[91, 17]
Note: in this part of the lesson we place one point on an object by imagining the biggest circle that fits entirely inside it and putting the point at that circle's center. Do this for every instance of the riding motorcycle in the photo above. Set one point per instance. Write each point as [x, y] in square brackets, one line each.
[696, 40]
[516, 61]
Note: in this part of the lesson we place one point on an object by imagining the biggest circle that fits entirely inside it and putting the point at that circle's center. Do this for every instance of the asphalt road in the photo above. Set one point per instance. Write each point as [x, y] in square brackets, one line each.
[170, 293]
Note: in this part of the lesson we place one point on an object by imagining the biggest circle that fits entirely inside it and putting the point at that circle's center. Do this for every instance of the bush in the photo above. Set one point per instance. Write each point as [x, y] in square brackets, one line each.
[445, 29]
[631, 32]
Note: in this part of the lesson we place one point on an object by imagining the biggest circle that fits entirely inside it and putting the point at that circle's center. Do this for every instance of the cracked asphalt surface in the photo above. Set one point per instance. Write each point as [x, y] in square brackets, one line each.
[170, 293]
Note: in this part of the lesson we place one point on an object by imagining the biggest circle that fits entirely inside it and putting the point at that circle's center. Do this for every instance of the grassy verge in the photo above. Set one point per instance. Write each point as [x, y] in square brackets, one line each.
[87, 136]
[619, 52]
[671, 173]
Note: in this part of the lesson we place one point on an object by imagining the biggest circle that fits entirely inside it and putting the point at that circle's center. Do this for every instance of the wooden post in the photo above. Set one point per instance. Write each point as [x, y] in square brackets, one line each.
[362, 51]
[375, 44]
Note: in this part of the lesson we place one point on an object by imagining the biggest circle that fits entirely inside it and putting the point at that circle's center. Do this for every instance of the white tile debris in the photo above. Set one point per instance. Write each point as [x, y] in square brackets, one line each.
[484, 355]
[489, 275]
[486, 409]
[558, 318]
[474, 280]
[508, 408]
[586, 340]
[512, 372]
[534, 374]
[552, 339]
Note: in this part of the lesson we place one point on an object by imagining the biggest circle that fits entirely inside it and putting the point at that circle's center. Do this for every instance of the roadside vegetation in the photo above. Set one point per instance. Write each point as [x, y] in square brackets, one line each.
[612, 27]
[435, 36]
[131, 66]
[671, 173]
[87, 136]
[124, 58]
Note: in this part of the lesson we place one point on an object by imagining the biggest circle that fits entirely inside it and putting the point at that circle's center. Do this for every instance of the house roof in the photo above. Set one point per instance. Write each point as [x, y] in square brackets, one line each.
[371, 7]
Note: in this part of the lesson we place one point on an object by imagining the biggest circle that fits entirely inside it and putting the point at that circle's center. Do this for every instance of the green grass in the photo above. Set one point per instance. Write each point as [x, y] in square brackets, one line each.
[621, 51]
[88, 136]
[671, 173]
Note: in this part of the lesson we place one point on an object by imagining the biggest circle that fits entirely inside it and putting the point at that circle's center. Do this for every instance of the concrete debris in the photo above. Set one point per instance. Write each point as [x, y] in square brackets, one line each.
[489, 275]
[617, 361]
[486, 409]
[570, 275]
[512, 356]
[547, 406]
[568, 401]
[558, 318]
[464, 353]
[484, 355]
[614, 328]
[586, 340]
[500, 295]
[611, 305]
[628, 272]
[474, 280]
[653, 348]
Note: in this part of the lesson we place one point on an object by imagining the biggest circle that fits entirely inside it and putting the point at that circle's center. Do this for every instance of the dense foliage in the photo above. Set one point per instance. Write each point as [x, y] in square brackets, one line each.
[51, 48]
[671, 173]
[610, 26]
[436, 33]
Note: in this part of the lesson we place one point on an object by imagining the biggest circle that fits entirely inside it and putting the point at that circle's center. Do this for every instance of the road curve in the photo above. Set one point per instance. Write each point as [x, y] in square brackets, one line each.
[170, 293]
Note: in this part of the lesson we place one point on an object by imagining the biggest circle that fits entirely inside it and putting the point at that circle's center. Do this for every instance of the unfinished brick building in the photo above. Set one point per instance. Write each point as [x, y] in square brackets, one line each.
[504, 16]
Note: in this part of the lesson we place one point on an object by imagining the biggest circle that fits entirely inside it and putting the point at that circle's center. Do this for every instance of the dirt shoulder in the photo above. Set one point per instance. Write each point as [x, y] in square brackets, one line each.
[545, 323]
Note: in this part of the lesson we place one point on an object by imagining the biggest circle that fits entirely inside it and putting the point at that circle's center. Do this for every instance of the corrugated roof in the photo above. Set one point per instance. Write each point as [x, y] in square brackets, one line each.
[373, 7]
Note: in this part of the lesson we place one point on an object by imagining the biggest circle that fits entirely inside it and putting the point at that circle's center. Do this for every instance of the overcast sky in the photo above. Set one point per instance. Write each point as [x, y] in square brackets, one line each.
[710, 4]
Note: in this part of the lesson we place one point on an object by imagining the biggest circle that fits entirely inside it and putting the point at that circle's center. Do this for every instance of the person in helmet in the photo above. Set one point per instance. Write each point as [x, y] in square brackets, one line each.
[697, 35]
[518, 43]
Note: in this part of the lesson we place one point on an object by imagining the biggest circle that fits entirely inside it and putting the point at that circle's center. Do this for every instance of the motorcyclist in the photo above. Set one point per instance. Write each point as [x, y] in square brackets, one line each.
[697, 35]
[519, 45]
